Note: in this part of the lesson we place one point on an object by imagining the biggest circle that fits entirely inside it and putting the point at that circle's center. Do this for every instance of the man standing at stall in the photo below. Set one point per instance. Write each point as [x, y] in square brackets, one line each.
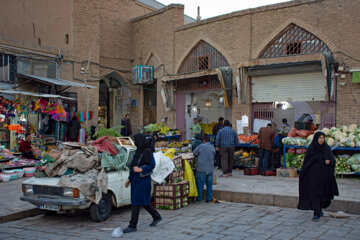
[126, 126]
[226, 141]
[196, 128]
[215, 131]
[266, 144]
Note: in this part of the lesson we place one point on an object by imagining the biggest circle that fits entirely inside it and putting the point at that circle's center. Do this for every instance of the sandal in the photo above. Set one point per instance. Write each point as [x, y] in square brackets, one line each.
[223, 175]
[229, 174]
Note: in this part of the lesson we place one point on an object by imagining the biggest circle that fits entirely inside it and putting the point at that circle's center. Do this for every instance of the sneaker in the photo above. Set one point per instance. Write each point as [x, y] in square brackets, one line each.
[208, 201]
[153, 224]
[321, 213]
[129, 230]
[316, 218]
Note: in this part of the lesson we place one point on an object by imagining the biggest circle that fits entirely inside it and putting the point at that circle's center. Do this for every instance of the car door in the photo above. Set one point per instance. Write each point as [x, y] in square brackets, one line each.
[124, 196]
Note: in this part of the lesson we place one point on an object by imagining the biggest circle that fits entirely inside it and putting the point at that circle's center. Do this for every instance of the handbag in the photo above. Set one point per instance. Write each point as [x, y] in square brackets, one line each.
[141, 174]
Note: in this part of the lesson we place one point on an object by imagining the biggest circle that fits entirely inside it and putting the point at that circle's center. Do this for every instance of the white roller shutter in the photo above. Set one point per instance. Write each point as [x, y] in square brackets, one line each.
[291, 87]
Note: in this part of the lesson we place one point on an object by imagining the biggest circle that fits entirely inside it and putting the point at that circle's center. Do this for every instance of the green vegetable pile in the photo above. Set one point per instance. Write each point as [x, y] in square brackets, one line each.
[111, 132]
[294, 160]
[342, 165]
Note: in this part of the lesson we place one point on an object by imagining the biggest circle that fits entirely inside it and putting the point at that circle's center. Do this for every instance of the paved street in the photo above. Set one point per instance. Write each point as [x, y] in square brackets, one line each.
[198, 221]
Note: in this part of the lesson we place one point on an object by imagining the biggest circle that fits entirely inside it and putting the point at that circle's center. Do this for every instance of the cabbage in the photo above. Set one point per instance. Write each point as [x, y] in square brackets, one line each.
[310, 137]
[343, 140]
[333, 129]
[357, 144]
[344, 129]
[349, 143]
[352, 127]
[301, 142]
[331, 142]
[357, 131]
[352, 137]
[326, 131]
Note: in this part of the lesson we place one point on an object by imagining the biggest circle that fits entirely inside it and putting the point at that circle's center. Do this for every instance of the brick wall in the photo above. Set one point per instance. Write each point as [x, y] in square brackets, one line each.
[241, 36]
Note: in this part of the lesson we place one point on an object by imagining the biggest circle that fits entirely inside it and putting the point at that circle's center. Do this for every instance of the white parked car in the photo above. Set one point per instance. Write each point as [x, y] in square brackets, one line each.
[48, 195]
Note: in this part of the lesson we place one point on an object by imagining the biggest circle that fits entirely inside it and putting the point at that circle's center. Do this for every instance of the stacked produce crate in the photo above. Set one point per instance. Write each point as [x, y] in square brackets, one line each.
[174, 194]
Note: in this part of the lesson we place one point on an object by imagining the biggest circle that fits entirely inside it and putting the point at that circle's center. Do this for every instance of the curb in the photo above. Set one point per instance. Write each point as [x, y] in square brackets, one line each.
[20, 215]
[346, 206]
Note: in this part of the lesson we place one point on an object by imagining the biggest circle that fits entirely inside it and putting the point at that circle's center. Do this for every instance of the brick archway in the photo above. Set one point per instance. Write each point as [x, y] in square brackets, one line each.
[194, 44]
[299, 23]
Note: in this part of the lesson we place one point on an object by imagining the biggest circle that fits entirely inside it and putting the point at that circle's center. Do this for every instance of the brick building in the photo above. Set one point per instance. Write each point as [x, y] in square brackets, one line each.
[296, 56]
[78, 40]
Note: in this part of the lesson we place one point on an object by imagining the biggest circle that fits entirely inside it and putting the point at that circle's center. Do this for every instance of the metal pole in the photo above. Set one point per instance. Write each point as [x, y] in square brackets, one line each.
[8, 68]
[3, 67]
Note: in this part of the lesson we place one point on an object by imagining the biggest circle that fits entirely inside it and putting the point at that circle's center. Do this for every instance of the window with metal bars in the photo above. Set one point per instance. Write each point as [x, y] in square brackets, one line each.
[294, 40]
[203, 56]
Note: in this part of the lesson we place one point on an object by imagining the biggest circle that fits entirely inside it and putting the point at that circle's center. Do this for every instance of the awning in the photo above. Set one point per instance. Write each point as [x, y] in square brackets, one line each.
[54, 81]
[14, 92]
[180, 76]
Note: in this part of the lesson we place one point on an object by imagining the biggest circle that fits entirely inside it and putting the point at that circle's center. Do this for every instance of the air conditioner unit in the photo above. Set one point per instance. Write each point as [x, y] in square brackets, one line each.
[142, 74]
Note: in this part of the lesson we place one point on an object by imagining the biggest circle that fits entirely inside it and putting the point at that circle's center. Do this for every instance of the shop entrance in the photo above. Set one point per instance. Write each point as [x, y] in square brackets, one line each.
[104, 105]
[150, 95]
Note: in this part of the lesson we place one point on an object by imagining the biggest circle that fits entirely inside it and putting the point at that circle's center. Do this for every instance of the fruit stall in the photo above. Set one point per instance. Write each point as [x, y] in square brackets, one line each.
[344, 141]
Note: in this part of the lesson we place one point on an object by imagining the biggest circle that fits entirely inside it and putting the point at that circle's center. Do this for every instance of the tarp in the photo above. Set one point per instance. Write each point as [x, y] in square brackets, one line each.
[91, 184]
[55, 81]
[225, 78]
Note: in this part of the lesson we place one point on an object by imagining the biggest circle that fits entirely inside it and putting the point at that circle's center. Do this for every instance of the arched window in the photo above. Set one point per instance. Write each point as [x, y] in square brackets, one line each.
[294, 40]
[203, 56]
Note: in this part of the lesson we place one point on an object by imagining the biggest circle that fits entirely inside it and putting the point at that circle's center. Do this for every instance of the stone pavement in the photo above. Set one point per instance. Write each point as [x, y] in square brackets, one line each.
[197, 221]
[10, 193]
[282, 192]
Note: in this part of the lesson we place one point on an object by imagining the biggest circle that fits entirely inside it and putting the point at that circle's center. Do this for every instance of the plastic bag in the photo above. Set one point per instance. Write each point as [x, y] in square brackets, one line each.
[117, 232]
[189, 176]
[117, 162]
[163, 167]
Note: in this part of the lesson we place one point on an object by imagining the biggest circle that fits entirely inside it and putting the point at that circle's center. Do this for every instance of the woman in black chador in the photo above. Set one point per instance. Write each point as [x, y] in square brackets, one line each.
[317, 184]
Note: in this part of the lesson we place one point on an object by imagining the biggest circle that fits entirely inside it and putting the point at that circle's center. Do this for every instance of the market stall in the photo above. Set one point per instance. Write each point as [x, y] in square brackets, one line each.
[344, 141]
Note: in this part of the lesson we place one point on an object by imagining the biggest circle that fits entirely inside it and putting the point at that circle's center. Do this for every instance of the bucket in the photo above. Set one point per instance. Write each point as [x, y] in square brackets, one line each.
[20, 172]
[5, 177]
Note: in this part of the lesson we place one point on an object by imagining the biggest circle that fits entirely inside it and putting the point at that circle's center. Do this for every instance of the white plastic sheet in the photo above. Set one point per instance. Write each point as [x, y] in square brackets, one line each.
[163, 167]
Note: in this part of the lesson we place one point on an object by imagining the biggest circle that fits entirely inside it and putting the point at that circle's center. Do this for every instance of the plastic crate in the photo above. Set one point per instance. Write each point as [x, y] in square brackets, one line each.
[251, 171]
[168, 203]
[178, 162]
[268, 172]
[176, 176]
[171, 190]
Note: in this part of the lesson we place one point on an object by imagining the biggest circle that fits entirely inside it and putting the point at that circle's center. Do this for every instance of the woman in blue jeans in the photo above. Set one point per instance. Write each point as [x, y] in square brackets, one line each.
[205, 153]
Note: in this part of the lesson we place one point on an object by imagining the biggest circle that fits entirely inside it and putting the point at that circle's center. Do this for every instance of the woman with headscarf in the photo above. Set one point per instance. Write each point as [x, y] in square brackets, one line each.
[317, 183]
[142, 162]
[74, 128]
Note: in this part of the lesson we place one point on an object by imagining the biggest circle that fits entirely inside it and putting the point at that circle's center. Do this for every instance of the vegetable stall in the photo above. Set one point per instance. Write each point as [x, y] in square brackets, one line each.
[344, 141]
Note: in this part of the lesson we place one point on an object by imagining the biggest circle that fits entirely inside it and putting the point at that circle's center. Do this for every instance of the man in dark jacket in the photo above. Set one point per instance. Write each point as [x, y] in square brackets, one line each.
[266, 144]
[126, 126]
[226, 141]
[215, 130]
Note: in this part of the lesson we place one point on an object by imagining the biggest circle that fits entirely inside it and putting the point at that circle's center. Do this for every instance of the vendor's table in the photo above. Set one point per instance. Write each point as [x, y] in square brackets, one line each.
[31, 163]
[332, 148]
[177, 137]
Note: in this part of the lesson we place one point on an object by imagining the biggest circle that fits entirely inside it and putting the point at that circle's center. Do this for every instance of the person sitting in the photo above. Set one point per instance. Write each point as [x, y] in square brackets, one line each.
[25, 147]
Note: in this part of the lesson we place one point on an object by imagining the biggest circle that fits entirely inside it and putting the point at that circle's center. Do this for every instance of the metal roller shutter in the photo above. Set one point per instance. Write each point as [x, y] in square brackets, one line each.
[291, 87]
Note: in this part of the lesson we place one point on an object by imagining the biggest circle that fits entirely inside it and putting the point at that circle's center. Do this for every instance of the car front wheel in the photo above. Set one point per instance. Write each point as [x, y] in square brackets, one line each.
[101, 211]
